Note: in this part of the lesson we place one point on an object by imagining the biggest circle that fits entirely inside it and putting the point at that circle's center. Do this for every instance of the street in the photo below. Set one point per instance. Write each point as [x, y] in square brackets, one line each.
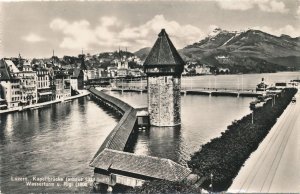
[274, 166]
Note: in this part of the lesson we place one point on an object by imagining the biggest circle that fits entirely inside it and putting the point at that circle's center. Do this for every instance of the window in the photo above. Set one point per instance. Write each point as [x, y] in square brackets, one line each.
[166, 79]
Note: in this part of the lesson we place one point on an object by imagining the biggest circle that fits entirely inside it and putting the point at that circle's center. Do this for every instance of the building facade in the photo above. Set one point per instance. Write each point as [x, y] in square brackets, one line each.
[10, 84]
[77, 79]
[164, 67]
[28, 87]
[62, 86]
[45, 92]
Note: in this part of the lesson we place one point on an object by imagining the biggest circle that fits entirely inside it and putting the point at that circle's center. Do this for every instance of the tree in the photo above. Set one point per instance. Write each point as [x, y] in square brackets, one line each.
[163, 186]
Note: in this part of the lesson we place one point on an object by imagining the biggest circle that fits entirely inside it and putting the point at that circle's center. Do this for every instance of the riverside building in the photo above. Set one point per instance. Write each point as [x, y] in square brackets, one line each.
[10, 85]
[45, 92]
[28, 87]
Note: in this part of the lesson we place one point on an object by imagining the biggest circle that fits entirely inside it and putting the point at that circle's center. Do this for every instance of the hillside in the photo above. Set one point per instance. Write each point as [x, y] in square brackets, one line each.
[142, 53]
[250, 51]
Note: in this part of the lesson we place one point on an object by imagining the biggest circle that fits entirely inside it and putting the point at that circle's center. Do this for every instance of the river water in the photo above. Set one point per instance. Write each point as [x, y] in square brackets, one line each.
[60, 140]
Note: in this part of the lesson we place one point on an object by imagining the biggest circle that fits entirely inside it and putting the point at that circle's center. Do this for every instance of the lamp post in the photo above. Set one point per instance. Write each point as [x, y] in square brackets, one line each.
[211, 181]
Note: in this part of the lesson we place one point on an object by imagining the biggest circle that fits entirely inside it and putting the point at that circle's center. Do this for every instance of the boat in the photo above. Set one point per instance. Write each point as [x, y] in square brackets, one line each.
[262, 86]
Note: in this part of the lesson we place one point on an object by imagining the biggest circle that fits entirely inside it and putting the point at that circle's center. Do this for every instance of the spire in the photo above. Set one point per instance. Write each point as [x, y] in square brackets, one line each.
[19, 61]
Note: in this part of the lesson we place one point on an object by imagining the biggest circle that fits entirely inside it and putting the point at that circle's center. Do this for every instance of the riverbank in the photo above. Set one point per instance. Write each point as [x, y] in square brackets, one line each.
[223, 156]
[43, 104]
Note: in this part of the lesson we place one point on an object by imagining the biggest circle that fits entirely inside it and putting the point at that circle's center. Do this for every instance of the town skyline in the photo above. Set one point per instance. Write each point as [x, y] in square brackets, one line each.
[35, 29]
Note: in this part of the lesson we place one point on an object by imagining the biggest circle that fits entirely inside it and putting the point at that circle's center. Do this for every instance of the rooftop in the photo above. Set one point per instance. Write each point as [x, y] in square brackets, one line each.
[4, 71]
[118, 137]
[154, 167]
[163, 52]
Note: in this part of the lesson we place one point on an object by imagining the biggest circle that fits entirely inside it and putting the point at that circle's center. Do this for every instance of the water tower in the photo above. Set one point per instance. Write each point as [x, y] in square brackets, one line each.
[164, 67]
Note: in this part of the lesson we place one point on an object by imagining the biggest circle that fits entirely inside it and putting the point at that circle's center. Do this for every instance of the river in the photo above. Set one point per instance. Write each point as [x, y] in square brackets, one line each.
[60, 140]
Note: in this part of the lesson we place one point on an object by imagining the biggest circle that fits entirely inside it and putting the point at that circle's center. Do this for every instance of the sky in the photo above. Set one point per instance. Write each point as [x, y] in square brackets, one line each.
[36, 28]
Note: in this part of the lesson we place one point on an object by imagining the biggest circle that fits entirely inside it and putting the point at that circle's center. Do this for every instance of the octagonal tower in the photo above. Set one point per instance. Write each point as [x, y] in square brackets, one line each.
[164, 67]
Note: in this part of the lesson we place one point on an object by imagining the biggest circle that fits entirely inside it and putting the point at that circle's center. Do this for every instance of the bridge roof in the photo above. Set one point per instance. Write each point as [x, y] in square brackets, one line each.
[118, 137]
[163, 52]
[154, 167]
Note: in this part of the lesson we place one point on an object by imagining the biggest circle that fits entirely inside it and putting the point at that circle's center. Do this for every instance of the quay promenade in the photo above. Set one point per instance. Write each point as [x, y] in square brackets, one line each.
[43, 104]
[114, 165]
[274, 166]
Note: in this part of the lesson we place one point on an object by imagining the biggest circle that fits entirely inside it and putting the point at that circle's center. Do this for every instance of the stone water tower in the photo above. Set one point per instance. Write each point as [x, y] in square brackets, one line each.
[164, 67]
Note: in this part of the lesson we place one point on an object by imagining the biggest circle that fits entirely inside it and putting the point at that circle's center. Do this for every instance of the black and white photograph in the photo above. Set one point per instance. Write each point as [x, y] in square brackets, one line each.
[149, 96]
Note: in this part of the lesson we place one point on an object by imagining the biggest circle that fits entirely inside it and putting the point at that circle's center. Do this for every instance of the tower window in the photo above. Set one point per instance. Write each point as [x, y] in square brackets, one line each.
[166, 79]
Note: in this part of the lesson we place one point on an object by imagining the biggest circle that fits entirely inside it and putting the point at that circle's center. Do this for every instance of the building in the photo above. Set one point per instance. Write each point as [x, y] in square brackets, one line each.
[102, 73]
[112, 71]
[122, 72]
[28, 86]
[135, 73]
[45, 92]
[62, 85]
[91, 73]
[164, 67]
[10, 84]
[202, 70]
[77, 79]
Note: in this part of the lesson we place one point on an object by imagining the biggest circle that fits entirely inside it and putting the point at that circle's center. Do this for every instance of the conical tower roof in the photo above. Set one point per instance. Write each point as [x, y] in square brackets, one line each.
[164, 54]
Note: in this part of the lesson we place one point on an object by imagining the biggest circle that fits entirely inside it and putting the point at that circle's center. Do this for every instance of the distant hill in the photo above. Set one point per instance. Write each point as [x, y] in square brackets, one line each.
[142, 53]
[250, 51]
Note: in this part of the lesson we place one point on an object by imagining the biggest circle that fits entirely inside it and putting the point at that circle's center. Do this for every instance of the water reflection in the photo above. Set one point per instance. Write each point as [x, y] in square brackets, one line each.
[160, 142]
[203, 118]
[59, 140]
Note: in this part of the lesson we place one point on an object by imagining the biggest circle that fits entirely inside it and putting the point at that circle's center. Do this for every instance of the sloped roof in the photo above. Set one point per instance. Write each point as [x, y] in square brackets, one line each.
[4, 72]
[10, 64]
[163, 52]
[154, 167]
[76, 73]
[118, 137]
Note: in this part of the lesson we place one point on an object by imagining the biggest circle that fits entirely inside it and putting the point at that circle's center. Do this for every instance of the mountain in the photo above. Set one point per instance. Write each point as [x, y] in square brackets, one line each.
[142, 53]
[250, 51]
[246, 51]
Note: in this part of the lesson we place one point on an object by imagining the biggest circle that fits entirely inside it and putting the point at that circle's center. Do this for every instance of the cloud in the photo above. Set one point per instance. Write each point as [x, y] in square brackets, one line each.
[77, 34]
[288, 30]
[111, 33]
[212, 27]
[298, 11]
[181, 35]
[236, 5]
[34, 38]
[273, 6]
[264, 5]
